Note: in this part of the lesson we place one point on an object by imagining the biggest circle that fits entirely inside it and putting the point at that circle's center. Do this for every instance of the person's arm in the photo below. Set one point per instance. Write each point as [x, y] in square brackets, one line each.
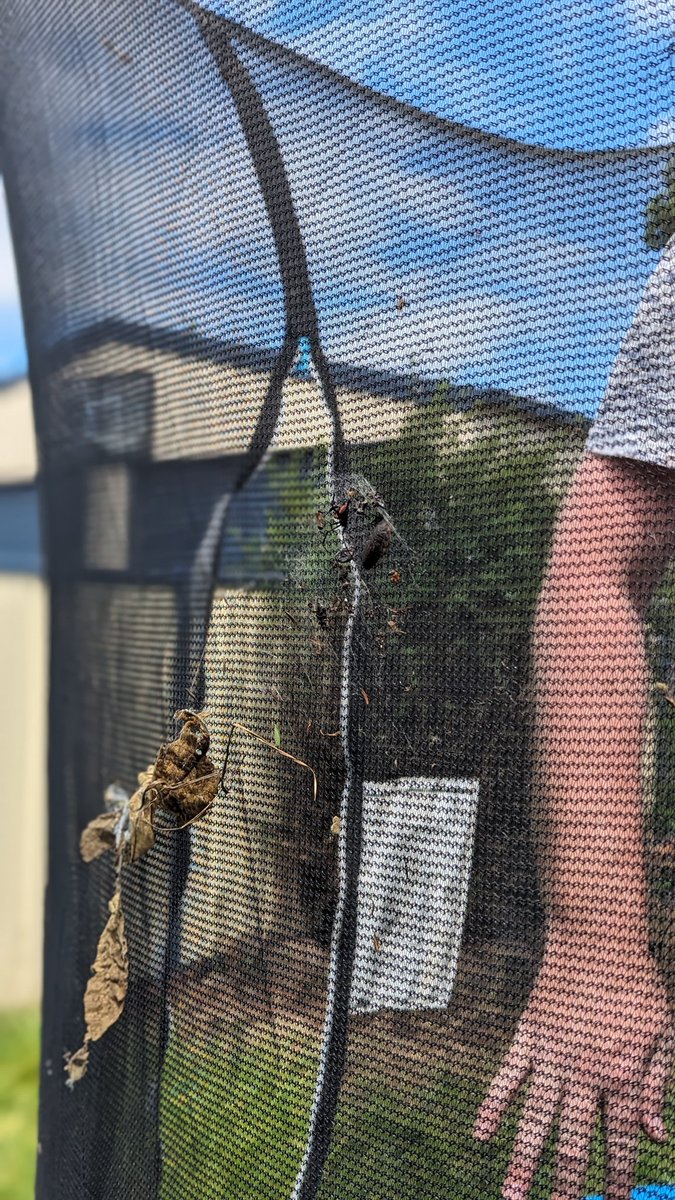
[596, 1027]
[613, 542]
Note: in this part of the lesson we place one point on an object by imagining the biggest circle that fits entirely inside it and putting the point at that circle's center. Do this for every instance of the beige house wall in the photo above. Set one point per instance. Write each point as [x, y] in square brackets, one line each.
[23, 724]
[18, 452]
[23, 721]
[207, 428]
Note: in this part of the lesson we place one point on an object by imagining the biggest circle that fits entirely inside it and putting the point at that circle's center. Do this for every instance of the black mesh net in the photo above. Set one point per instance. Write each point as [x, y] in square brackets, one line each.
[313, 374]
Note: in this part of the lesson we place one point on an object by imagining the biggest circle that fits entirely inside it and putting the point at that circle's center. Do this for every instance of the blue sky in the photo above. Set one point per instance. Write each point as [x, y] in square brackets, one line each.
[519, 273]
[12, 351]
[583, 73]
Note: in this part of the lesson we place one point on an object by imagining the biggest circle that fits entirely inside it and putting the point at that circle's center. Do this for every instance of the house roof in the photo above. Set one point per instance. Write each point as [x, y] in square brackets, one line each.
[394, 385]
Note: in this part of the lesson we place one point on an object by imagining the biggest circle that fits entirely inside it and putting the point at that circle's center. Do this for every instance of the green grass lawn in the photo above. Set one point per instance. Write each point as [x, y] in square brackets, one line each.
[19, 1058]
[235, 1124]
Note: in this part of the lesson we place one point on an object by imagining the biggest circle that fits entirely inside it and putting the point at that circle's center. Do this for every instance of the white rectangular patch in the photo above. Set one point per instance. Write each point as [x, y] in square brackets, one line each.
[413, 883]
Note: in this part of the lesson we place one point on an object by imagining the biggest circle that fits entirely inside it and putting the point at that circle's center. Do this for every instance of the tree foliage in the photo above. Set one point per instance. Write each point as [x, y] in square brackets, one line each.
[660, 212]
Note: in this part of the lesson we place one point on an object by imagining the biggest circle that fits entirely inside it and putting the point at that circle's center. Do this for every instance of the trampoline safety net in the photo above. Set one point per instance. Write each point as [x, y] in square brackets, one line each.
[317, 372]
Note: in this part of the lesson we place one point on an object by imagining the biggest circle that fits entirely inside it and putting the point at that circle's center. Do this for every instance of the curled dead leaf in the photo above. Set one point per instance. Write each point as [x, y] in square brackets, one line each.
[176, 759]
[107, 987]
[193, 795]
[98, 836]
[138, 835]
[184, 779]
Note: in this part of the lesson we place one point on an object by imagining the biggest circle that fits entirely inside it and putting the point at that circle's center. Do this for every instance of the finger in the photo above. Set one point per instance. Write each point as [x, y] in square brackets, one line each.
[536, 1119]
[503, 1090]
[575, 1133]
[653, 1096]
[622, 1130]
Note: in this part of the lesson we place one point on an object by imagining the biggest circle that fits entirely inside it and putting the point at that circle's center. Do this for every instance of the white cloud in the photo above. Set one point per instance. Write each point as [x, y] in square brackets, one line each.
[656, 16]
[9, 292]
[662, 132]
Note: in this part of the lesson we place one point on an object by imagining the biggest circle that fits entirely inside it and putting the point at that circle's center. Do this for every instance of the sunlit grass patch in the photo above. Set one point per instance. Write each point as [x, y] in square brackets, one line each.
[19, 1059]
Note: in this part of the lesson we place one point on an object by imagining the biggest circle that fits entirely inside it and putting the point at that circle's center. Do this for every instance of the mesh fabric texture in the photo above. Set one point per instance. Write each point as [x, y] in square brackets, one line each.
[313, 370]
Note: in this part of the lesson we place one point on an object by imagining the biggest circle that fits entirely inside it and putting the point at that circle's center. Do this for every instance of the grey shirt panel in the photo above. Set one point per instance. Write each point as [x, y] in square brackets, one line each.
[637, 415]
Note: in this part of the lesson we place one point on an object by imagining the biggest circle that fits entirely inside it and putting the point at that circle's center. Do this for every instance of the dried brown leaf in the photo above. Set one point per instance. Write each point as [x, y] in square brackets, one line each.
[195, 794]
[98, 836]
[177, 759]
[107, 987]
[184, 780]
[140, 835]
[145, 776]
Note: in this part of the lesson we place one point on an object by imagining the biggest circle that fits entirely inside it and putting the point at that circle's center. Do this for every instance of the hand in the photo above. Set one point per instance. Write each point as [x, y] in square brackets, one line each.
[596, 1033]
